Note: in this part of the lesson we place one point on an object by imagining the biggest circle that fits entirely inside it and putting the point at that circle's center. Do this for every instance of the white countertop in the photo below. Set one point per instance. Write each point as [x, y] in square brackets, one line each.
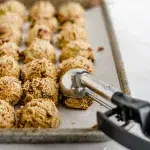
[132, 25]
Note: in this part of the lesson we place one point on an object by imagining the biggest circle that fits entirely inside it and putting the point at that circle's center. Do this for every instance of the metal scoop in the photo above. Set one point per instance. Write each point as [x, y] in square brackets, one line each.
[78, 83]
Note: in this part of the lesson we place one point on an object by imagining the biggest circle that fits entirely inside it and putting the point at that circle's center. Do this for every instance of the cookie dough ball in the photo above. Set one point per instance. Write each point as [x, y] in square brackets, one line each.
[70, 11]
[70, 34]
[42, 10]
[38, 114]
[14, 6]
[9, 33]
[12, 19]
[38, 68]
[81, 22]
[40, 88]
[40, 32]
[77, 62]
[77, 48]
[10, 49]
[80, 103]
[3, 9]
[7, 115]
[52, 23]
[9, 67]
[39, 49]
[10, 89]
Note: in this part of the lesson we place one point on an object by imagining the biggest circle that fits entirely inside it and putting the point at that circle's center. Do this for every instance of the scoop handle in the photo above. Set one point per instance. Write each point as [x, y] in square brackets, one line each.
[120, 135]
[129, 108]
[133, 109]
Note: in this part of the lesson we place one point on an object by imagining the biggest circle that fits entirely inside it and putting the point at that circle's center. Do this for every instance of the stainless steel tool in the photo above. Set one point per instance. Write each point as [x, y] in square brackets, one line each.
[78, 83]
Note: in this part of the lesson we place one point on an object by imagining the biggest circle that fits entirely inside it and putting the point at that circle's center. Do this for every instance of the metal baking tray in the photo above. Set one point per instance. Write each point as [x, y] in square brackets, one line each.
[76, 125]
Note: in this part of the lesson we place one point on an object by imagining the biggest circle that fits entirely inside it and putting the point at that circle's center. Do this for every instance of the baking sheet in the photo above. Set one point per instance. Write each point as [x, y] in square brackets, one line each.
[76, 124]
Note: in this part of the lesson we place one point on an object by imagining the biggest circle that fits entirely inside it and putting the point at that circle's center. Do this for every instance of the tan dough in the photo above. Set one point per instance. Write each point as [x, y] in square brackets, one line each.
[38, 68]
[7, 115]
[80, 103]
[39, 31]
[77, 48]
[10, 49]
[13, 6]
[42, 10]
[81, 22]
[39, 49]
[72, 33]
[77, 62]
[10, 90]
[52, 23]
[12, 19]
[70, 11]
[9, 67]
[38, 114]
[9, 33]
[40, 88]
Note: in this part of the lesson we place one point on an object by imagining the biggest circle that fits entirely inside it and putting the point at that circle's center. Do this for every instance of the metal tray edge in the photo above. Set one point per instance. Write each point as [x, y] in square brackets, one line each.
[116, 51]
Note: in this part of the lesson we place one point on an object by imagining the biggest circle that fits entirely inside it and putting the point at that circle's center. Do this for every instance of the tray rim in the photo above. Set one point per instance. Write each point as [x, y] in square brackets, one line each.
[74, 135]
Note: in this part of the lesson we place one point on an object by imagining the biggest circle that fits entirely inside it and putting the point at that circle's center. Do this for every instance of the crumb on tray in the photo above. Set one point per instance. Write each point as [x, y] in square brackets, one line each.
[100, 48]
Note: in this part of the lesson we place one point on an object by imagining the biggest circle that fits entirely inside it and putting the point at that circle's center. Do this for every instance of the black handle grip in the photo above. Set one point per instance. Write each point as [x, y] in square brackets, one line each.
[120, 135]
[133, 109]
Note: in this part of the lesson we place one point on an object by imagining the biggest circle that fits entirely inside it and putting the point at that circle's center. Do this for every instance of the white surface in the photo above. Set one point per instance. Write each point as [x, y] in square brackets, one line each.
[132, 24]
